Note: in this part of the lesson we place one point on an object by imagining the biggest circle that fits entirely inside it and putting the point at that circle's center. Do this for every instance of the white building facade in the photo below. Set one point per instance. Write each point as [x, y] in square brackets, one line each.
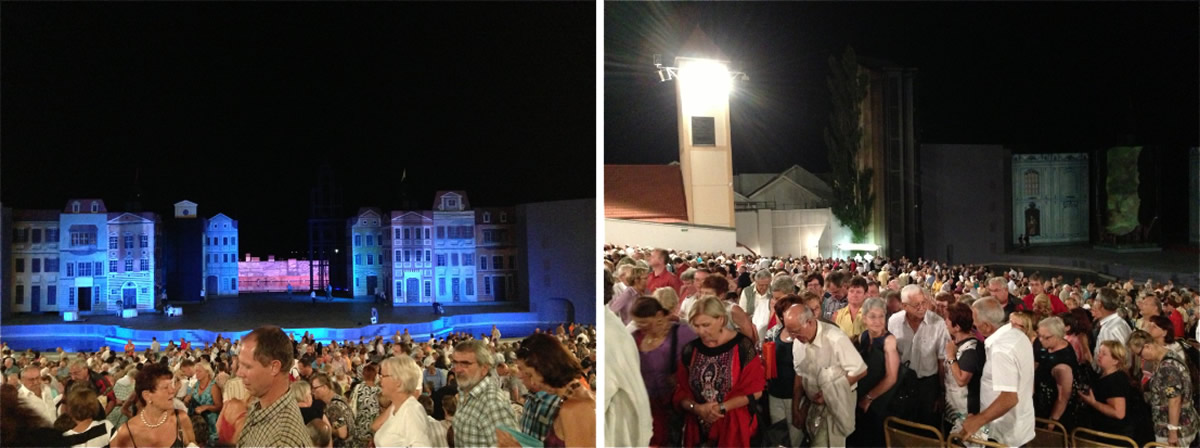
[131, 263]
[454, 248]
[35, 261]
[412, 258]
[83, 242]
[221, 255]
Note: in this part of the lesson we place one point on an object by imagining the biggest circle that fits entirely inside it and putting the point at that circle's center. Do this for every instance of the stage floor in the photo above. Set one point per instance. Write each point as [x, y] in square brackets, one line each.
[1179, 264]
[248, 311]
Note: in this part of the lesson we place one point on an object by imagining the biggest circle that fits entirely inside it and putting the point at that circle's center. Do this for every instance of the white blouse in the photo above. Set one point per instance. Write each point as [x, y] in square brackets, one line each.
[405, 427]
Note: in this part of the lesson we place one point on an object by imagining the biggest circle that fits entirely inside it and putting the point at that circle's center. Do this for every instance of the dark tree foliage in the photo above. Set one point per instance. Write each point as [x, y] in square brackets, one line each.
[853, 199]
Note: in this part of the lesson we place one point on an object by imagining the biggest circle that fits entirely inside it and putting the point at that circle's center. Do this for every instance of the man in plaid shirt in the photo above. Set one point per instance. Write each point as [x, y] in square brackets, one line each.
[483, 405]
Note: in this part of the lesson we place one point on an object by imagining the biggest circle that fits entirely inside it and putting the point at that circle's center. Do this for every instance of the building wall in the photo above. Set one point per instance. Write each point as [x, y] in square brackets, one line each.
[221, 255]
[451, 246]
[71, 284]
[796, 233]
[496, 254]
[255, 275]
[786, 195]
[184, 255]
[34, 287]
[412, 257]
[644, 233]
[964, 207]
[130, 246]
[369, 256]
[1056, 185]
[560, 256]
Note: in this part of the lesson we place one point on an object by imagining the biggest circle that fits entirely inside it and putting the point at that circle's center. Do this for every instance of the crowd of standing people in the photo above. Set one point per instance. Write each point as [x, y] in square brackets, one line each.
[271, 388]
[740, 350]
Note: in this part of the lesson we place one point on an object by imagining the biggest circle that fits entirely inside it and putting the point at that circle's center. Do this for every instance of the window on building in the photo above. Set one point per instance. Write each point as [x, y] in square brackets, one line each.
[356, 281]
[37, 236]
[112, 242]
[1031, 183]
[428, 289]
[397, 234]
[85, 269]
[83, 238]
[370, 240]
[454, 259]
[487, 217]
[70, 269]
[426, 233]
[95, 207]
[145, 240]
[358, 259]
[233, 284]
[441, 286]
[19, 293]
[233, 242]
[428, 256]
[397, 256]
[467, 232]
[52, 295]
[70, 297]
[487, 286]
[406, 233]
[112, 265]
[99, 266]
[503, 217]
[511, 262]
[129, 265]
[225, 258]
[399, 289]
[357, 240]
[470, 281]
[370, 258]
[74, 207]
[455, 286]
[468, 259]
[52, 236]
[144, 265]
[497, 262]
[51, 265]
[452, 232]
[441, 232]
[483, 263]
[35, 265]
[407, 256]
[128, 241]
[19, 265]
[207, 241]
[441, 259]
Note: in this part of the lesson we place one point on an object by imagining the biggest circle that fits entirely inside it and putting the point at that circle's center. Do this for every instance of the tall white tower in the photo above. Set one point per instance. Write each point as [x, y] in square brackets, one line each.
[705, 149]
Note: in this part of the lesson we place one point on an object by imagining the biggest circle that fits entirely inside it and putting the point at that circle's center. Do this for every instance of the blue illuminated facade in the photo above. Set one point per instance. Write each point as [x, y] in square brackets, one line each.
[35, 261]
[83, 243]
[454, 248]
[131, 263]
[370, 250]
[221, 255]
[412, 257]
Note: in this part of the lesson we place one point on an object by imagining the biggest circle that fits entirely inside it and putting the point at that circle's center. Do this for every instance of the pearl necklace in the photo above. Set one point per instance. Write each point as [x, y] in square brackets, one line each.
[160, 421]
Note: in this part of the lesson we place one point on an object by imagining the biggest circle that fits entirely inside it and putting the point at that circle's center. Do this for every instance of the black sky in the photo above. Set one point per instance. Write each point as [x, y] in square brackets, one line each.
[1055, 77]
[233, 105]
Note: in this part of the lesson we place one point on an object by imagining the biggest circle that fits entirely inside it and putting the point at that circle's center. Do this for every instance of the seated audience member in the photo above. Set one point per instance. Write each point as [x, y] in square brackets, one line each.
[81, 407]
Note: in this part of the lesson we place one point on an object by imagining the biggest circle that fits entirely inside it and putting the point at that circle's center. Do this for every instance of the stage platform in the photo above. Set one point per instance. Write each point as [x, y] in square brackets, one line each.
[1180, 264]
[233, 317]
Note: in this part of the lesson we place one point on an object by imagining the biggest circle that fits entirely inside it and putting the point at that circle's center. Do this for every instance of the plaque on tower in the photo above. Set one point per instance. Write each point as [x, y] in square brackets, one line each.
[704, 131]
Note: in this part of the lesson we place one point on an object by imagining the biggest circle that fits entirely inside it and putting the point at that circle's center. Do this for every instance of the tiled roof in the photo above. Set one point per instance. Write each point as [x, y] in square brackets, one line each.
[35, 215]
[644, 193]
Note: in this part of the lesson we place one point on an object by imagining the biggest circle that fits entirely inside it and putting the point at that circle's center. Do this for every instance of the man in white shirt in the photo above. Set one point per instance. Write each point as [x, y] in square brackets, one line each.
[921, 338]
[154, 345]
[1109, 325]
[627, 420]
[818, 346]
[697, 279]
[34, 395]
[756, 301]
[1006, 388]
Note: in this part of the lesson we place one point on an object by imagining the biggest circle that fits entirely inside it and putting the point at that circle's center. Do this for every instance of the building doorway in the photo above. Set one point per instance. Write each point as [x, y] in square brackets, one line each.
[412, 290]
[210, 285]
[84, 298]
[129, 296]
[372, 283]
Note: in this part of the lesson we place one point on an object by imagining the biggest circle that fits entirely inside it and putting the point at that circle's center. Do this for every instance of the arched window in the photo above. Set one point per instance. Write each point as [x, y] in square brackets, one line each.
[75, 207]
[1031, 183]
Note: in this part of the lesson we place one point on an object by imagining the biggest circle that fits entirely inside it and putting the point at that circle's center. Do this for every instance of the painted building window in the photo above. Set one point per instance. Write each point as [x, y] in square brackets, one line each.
[233, 284]
[455, 286]
[407, 233]
[441, 286]
[441, 232]
[83, 238]
[112, 265]
[357, 240]
[399, 289]
[397, 256]
[99, 268]
[145, 241]
[428, 256]
[497, 262]
[487, 217]
[35, 265]
[51, 265]
[487, 286]
[128, 241]
[469, 259]
[428, 288]
[397, 234]
[52, 236]
[207, 241]
[19, 265]
[85, 269]
[74, 207]
[129, 265]
[112, 242]
[37, 236]
[70, 269]
[144, 265]
[71, 297]
[19, 292]
[426, 233]
[52, 295]
[483, 263]
[370, 257]
[1031, 183]
[358, 259]
[95, 207]
[233, 241]
[454, 259]
[370, 240]
[503, 217]
[470, 285]
[407, 256]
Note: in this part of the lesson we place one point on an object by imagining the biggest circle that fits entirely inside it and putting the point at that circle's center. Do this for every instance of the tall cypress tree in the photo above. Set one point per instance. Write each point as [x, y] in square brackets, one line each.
[853, 199]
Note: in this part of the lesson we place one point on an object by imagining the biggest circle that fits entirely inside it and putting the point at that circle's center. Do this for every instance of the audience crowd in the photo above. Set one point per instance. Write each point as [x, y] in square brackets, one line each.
[742, 350]
[271, 388]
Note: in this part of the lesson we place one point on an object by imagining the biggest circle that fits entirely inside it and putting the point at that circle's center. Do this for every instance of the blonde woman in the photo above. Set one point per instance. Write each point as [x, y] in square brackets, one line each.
[406, 423]
[233, 412]
[206, 397]
[1023, 320]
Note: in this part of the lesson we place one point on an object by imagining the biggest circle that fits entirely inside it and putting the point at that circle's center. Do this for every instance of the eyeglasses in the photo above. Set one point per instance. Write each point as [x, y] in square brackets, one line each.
[384, 375]
[318, 386]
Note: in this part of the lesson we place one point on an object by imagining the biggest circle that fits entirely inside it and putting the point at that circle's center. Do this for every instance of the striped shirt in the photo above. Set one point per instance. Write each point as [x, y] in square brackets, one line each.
[482, 410]
[277, 425]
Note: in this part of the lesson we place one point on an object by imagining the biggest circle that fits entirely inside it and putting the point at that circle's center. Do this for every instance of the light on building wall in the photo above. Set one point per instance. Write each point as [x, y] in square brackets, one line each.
[707, 77]
[858, 247]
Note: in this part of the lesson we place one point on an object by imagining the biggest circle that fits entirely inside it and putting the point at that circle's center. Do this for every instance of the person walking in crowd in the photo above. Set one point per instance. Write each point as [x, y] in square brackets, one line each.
[921, 339]
[718, 286]
[482, 405]
[828, 368]
[781, 376]
[405, 424]
[1111, 396]
[1007, 379]
[627, 415]
[879, 351]
[965, 359]
[660, 340]
[719, 380]
[638, 277]
[156, 421]
[337, 412]
[1168, 392]
[547, 366]
[1109, 326]
[274, 418]
[835, 296]
[659, 276]
[1055, 376]
[850, 318]
[756, 301]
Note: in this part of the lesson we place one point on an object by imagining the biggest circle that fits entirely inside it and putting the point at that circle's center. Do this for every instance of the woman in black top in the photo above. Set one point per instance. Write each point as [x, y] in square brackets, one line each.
[1108, 399]
[780, 389]
[1055, 373]
[878, 349]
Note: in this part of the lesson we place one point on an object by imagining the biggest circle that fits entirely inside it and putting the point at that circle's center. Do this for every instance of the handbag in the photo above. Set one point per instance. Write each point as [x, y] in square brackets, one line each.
[905, 399]
[768, 354]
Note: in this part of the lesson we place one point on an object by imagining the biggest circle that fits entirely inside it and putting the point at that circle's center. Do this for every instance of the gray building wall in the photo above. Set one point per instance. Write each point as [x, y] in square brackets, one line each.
[5, 259]
[964, 201]
[558, 255]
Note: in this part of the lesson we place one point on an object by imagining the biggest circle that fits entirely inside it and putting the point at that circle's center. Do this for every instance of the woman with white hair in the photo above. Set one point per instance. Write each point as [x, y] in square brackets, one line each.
[233, 412]
[206, 398]
[406, 423]
[1055, 373]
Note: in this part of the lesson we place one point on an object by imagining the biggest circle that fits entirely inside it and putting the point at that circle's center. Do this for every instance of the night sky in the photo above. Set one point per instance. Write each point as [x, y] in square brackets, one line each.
[1045, 77]
[234, 106]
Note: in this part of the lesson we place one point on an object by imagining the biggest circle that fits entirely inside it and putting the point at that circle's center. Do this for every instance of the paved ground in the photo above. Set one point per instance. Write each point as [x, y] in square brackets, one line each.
[251, 310]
